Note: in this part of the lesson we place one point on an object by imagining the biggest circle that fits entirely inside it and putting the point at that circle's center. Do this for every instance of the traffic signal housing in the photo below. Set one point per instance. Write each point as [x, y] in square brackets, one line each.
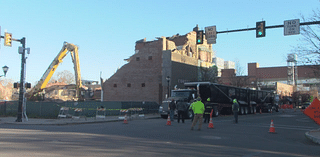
[17, 85]
[260, 29]
[7, 39]
[199, 39]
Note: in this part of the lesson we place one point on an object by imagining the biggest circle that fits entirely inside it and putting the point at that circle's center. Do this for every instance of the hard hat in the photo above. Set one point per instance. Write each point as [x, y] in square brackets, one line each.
[208, 99]
[234, 100]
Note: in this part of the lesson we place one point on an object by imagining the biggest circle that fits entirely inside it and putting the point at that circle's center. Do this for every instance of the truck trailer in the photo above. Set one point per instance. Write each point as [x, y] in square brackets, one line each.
[221, 96]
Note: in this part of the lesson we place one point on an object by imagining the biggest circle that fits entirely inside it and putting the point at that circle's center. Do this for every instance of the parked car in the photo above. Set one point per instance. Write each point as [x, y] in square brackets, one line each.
[305, 105]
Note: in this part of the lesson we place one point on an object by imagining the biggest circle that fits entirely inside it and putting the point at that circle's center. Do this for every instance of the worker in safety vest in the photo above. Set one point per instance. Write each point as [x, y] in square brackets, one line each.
[198, 109]
[235, 109]
[207, 111]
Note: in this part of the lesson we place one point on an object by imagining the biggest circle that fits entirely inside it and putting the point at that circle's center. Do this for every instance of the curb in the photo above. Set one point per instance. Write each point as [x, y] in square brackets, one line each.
[313, 138]
[72, 122]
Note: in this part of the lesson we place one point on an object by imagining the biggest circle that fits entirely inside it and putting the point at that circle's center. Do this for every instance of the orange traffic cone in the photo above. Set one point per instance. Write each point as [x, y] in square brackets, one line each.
[125, 119]
[168, 120]
[272, 129]
[211, 124]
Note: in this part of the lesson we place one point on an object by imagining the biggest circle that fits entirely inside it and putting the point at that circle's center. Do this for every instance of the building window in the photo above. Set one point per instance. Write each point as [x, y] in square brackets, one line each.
[143, 85]
[138, 59]
[129, 85]
[150, 58]
[114, 85]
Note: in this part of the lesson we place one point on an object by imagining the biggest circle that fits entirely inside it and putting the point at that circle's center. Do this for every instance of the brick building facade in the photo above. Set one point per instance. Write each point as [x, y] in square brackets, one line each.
[143, 78]
[274, 78]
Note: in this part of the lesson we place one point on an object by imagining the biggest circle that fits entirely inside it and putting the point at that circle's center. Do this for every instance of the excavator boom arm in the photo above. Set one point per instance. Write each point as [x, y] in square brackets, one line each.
[67, 47]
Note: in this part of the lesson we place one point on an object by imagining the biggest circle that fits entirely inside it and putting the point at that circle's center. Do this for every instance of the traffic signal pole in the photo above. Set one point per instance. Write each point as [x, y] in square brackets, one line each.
[22, 99]
[22, 80]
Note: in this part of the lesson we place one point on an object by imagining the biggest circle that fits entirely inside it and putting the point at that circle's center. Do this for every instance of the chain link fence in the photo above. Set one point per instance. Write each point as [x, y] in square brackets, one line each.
[89, 108]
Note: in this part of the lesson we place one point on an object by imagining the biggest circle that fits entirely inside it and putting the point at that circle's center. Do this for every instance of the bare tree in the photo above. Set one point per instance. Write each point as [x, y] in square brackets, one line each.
[239, 68]
[209, 74]
[64, 76]
[308, 50]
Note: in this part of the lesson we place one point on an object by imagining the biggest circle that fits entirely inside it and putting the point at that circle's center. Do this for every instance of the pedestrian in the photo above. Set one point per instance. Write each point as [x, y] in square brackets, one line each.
[207, 111]
[172, 108]
[198, 109]
[235, 109]
[181, 107]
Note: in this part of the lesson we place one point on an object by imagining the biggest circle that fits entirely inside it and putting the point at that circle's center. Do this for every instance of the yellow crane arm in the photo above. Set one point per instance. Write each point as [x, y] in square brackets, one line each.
[67, 47]
[76, 63]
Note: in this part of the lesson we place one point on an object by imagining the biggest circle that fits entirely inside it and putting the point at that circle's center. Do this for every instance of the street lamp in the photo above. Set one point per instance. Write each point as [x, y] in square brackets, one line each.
[168, 80]
[5, 70]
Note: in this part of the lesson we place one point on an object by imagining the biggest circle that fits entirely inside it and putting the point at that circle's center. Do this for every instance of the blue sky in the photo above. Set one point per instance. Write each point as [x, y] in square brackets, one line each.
[106, 30]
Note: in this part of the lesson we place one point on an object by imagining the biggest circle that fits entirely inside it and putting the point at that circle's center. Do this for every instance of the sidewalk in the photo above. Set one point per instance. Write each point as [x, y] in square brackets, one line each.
[314, 135]
[67, 121]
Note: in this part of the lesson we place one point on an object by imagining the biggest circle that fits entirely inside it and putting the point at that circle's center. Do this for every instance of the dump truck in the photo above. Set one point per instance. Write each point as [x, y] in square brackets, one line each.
[221, 96]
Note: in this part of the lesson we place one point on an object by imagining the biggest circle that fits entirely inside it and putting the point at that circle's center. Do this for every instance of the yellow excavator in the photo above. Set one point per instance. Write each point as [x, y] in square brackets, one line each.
[67, 47]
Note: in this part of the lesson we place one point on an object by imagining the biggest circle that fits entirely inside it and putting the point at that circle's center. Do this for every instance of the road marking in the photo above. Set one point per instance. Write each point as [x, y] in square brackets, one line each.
[304, 120]
[287, 116]
[252, 154]
[284, 127]
[211, 137]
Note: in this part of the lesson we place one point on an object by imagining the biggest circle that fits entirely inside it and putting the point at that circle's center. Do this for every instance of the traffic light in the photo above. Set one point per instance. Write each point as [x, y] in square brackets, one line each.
[260, 29]
[7, 39]
[199, 37]
[16, 85]
[28, 85]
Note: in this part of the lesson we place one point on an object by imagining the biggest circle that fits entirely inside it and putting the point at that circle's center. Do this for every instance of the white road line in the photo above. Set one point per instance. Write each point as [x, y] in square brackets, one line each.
[285, 127]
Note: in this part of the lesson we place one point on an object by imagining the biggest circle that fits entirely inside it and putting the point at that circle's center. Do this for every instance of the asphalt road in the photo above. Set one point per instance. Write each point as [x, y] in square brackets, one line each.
[151, 137]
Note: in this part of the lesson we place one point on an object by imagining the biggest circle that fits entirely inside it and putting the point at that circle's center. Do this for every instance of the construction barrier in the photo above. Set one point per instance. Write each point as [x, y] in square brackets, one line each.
[131, 113]
[272, 129]
[211, 123]
[168, 120]
[123, 113]
[286, 106]
[78, 114]
[64, 113]
[101, 113]
[125, 121]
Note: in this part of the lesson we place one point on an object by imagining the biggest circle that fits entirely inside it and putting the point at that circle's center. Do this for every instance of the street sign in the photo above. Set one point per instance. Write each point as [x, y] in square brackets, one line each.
[313, 111]
[292, 27]
[211, 34]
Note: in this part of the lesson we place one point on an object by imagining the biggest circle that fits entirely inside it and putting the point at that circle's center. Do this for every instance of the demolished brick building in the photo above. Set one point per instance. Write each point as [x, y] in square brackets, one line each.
[143, 78]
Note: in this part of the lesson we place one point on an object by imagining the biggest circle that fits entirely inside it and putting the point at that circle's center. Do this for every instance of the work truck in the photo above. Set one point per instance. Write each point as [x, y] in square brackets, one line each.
[221, 96]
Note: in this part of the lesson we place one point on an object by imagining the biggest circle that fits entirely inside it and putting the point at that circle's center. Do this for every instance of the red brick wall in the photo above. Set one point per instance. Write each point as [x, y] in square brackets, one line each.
[252, 69]
[272, 72]
[136, 73]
